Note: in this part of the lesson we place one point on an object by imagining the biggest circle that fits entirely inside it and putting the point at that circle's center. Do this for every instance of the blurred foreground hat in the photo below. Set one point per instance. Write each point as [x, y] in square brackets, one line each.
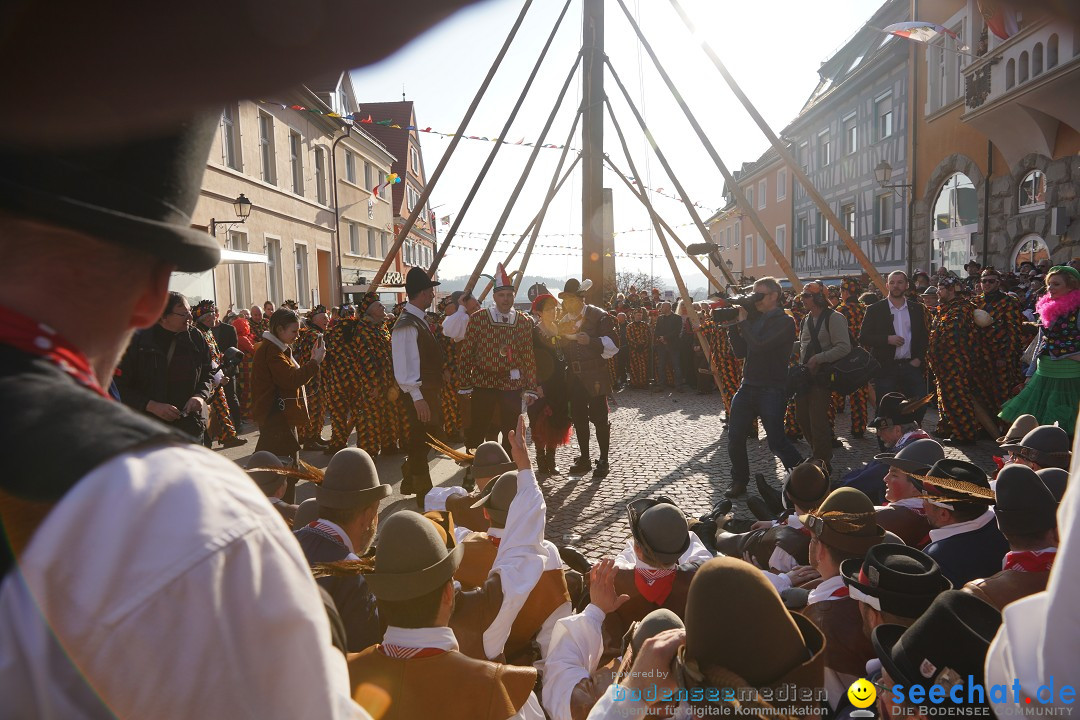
[411, 559]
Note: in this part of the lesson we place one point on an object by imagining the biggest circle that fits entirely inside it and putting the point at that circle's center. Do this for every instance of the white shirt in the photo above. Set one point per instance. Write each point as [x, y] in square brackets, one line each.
[901, 320]
[443, 638]
[823, 591]
[576, 645]
[407, 355]
[961, 527]
[697, 552]
[163, 585]
[455, 326]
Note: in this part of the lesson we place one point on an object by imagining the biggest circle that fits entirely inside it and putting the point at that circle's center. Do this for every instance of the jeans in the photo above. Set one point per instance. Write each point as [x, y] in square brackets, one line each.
[668, 355]
[901, 377]
[768, 403]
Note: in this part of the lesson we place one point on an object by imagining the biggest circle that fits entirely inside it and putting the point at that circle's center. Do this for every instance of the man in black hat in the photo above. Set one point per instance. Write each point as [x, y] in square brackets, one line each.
[945, 647]
[964, 539]
[897, 426]
[589, 338]
[1026, 513]
[904, 513]
[1047, 446]
[418, 369]
[260, 467]
[348, 500]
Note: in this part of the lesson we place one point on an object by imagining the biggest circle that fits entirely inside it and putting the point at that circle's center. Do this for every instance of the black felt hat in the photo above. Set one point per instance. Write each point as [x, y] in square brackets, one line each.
[895, 409]
[944, 646]
[576, 288]
[896, 579]
[956, 481]
[1046, 445]
[1055, 480]
[916, 457]
[417, 280]
[1024, 504]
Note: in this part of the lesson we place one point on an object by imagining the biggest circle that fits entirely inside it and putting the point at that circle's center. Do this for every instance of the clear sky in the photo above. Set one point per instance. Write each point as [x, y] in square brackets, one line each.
[772, 47]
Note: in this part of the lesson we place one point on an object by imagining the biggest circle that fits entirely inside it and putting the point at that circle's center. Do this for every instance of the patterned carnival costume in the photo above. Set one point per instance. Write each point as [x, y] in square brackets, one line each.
[1001, 344]
[791, 424]
[854, 311]
[451, 412]
[247, 343]
[639, 340]
[378, 390]
[728, 367]
[311, 434]
[221, 426]
[952, 355]
[341, 380]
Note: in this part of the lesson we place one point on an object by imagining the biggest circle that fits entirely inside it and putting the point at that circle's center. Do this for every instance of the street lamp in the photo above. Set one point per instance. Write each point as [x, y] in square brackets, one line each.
[883, 173]
[242, 208]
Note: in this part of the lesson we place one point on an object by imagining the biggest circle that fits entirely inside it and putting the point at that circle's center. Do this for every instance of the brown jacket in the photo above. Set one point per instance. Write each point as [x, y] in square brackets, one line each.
[1007, 586]
[273, 377]
[846, 646]
[449, 686]
[465, 515]
[913, 528]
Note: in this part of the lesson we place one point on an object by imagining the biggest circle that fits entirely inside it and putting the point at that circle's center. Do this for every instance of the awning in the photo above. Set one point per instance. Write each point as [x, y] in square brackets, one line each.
[234, 257]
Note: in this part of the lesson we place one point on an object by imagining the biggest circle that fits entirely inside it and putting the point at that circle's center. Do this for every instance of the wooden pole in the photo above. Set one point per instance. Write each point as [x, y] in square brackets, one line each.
[789, 160]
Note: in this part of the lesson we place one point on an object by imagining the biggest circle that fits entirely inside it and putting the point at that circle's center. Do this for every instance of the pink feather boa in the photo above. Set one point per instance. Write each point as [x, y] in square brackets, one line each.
[1050, 309]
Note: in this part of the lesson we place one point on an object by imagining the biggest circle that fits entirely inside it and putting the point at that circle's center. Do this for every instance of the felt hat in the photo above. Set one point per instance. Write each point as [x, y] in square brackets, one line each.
[411, 559]
[1046, 445]
[417, 280]
[257, 465]
[944, 646]
[956, 481]
[490, 459]
[453, 298]
[806, 484]
[1055, 480]
[1024, 505]
[896, 579]
[845, 521]
[137, 193]
[651, 625]
[1021, 426]
[725, 590]
[497, 497]
[915, 457]
[578, 289]
[895, 409]
[660, 528]
[351, 480]
[307, 512]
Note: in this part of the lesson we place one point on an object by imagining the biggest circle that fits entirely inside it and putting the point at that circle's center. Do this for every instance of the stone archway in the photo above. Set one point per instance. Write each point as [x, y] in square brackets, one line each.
[923, 227]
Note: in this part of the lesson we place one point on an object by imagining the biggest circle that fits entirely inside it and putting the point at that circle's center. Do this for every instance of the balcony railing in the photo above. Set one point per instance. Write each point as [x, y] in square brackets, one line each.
[1037, 51]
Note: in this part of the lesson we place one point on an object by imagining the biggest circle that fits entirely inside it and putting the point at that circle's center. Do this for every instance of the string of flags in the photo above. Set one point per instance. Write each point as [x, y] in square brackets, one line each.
[485, 236]
[576, 252]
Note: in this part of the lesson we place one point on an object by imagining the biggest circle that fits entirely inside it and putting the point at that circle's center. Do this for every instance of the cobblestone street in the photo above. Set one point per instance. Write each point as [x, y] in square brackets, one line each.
[662, 443]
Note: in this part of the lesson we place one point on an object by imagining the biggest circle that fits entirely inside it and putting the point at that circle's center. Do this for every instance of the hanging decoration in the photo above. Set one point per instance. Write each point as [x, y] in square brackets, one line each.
[923, 32]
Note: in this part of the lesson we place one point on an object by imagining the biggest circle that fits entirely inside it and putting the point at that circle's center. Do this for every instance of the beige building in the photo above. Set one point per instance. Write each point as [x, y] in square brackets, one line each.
[306, 173]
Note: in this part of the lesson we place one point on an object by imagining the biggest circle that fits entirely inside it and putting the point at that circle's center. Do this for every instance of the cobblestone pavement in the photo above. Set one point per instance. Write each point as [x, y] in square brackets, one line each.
[671, 443]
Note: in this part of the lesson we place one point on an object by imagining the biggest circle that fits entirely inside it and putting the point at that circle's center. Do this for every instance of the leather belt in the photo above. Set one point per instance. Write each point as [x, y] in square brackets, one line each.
[579, 365]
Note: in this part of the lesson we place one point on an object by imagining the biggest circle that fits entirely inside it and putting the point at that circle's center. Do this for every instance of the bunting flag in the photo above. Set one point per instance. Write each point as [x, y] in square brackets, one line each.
[1000, 20]
[922, 32]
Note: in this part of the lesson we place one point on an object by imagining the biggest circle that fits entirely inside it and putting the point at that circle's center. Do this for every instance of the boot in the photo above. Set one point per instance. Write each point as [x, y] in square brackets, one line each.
[737, 489]
[582, 463]
[603, 440]
[542, 462]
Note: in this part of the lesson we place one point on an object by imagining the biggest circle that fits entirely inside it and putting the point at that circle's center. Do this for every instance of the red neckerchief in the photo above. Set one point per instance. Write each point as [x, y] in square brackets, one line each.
[803, 529]
[406, 653]
[840, 592]
[654, 585]
[494, 540]
[1030, 560]
[321, 527]
[34, 338]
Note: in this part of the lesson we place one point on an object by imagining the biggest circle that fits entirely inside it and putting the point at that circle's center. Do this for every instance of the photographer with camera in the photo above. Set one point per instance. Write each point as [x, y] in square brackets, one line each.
[825, 338]
[763, 338]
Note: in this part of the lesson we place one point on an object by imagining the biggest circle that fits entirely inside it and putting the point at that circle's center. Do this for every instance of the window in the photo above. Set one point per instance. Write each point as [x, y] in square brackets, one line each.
[320, 175]
[350, 166]
[749, 193]
[781, 184]
[1031, 248]
[802, 231]
[822, 229]
[761, 251]
[804, 158]
[748, 251]
[230, 137]
[1037, 60]
[762, 193]
[384, 245]
[369, 176]
[851, 131]
[957, 61]
[945, 69]
[956, 219]
[883, 214]
[1010, 74]
[825, 148]
[883, 111]
[266, 148]
[415, 157]
[413, 197]
[730, 236]
[847, 218]
[372, 243]
[301, 274]
[354, 238]
[1033, 191]
[273, 269]
[1052, 52]
[296, 162]
[781, 239]
[239, 277]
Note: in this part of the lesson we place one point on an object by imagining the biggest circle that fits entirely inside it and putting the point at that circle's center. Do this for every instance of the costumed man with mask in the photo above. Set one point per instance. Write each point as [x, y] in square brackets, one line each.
[220, 427]
[311, 329]
[897, 426]
[348, 499]
[638, 340]
[342, 376]
[843, 527]
[964, 539]
[1001, 344]
[418, 370]
[589, 338]
[499, 364]
[904, 512]
[952, 354]
[1026, 513]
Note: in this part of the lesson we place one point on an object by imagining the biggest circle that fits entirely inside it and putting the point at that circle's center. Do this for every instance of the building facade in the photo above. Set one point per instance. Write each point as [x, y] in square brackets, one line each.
[854, 120]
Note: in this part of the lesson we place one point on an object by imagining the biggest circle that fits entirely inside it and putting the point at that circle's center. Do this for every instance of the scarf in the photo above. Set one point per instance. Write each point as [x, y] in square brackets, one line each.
[1050, 309]
[34, 338]
[654, 584]
[1030, 560]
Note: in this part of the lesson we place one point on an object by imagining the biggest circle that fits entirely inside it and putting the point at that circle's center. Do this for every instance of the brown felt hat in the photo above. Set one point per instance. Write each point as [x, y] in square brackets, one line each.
[660, 528]
[806, 484]
[789, 646]
[411, 558]
[351, 480]
[490, 459]
[845, 521]
[259, 467]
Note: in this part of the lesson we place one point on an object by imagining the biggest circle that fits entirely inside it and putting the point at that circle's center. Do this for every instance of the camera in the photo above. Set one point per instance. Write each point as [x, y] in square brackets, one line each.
[231, 359]
[734, 302]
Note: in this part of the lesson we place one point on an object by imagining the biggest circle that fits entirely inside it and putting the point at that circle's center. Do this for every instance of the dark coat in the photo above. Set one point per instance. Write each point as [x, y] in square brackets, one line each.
[971, 555]
[226, 336]
[765, 343]
[877, 326]
[146, 374]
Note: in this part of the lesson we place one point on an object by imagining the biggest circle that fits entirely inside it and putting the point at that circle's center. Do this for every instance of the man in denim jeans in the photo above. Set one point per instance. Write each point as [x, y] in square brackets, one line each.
[764, 341]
